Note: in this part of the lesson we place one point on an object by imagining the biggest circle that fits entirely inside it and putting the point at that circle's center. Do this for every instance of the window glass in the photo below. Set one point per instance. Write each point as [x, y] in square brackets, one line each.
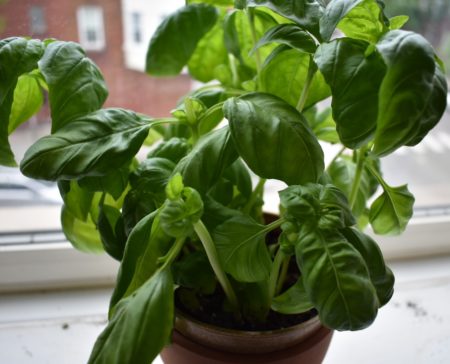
[37, 20]
[90, 27]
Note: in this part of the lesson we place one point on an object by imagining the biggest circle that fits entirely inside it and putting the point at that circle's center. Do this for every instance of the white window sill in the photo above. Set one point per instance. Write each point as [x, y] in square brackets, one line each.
[61, 327]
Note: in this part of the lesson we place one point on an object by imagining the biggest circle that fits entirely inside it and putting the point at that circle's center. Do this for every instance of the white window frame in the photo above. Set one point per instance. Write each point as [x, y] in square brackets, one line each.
[90, 18]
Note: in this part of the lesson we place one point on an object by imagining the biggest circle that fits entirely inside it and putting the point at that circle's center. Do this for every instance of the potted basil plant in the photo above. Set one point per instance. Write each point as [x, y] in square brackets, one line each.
[185, 222]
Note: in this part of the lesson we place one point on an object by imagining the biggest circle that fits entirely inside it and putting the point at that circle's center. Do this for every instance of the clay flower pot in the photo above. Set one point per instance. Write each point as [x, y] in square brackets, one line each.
[194, 342]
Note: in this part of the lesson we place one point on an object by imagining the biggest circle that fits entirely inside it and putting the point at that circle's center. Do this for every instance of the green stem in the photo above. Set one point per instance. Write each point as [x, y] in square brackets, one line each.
[257, 192]
[312, 69]
[361, 156]
[251, 19]
[274, 274]
[283, 274]
[338, 154]
[234, 71]
[375, 173]
[213, 258]
[172, 254]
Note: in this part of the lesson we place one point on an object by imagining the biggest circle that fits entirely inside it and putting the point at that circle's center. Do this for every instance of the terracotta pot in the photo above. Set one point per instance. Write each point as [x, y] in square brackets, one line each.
[194, 342]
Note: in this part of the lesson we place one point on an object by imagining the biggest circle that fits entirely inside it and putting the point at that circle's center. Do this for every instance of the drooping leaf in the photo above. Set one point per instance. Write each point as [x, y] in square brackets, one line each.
[92, 145]
[76, 199]
[284, 75]
[290, 34]
[365, 21]
[17, 56]
[141, 325]
[75, 85]
[380, 275]
[206, 162]
[336, 279]
[240, 243]
[112, 231]
[83, 235]
[335, 11]
[176, 38]
[209, 54]
[28, 100]
[406, 91]
[347, 67]
[305, 13]
[391, 212]
[274, 139]
[293, 301]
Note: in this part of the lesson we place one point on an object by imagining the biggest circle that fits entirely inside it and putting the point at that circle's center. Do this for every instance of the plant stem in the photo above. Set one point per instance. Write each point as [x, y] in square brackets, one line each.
[251, 19]
[312, 69]
[338, 154]
[213, 258]
[375, 173]
[283, 274]
[170, 257]
[234, 71]
[361, 156]
[257, 192]
[274, 274]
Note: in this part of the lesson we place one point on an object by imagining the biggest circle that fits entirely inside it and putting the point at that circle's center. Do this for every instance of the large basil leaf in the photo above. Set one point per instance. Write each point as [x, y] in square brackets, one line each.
[284, 75]
[380, 275]
[347, 67]
[291, 35]
[293, 301]
[206, 162]
[435, 106]
[336, 280]
[17, 56]
[365, 21]
[239, 175]
[91, 145]
[141, 325]
[335, 11]
[28, 100]
[305, 13]
[274, 139]
[75, 84]
[209, 54]
[176, 38]
[241, 246]
[173, 149]
[406, 90]
[76, 199]
[391, 212]
[83, 235]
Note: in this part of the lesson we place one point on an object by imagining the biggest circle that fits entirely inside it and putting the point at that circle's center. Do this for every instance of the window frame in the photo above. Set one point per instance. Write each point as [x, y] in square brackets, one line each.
[86, 14]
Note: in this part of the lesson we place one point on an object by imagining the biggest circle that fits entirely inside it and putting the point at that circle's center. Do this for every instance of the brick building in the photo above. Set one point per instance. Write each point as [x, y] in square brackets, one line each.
[115, 34]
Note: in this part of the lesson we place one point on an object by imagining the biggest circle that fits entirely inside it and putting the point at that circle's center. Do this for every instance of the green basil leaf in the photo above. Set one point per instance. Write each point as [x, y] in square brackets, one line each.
[209, 54]
[380, 275]
[206, 162]
[274, 139]
[91, 145]
[335, 11]
[225, 3]
[322, 124]
[293, 301]
[141, 325]
[239, 175]
[76, 199]
[173, 149]
[284, 75]
[365, 21]
[83, 235]
[75, 85]
[176, 39]
[241, 246]
[391, 212]
[406, 89]
[17, 56]
[28, 100]
[435, 108]
[305, 13]
[397, 22]
[346, 68]
[291, 35]
[336, 280]
[194, 271]
[112, 231]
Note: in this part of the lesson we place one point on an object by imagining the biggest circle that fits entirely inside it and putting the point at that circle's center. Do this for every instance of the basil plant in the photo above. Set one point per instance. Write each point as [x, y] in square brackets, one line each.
[186, 222]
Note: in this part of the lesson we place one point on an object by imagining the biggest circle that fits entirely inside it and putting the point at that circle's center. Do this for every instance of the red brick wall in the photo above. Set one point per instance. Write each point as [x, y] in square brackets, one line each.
[128, 89]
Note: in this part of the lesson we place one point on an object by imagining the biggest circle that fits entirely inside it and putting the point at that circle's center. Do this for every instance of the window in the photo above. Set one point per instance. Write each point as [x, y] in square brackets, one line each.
[136, 21]
[37, 20]
[91, 30]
